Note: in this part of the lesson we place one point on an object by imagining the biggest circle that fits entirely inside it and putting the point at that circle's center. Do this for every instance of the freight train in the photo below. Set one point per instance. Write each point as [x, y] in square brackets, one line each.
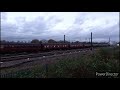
[28, 47]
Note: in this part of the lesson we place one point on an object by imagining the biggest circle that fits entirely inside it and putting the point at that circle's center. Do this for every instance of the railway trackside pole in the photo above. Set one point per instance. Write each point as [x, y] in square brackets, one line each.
[91, 41]
[109, 40]
[64, 38]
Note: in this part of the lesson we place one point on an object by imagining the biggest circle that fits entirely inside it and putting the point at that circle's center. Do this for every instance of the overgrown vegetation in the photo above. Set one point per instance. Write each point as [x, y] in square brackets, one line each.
[77, 66]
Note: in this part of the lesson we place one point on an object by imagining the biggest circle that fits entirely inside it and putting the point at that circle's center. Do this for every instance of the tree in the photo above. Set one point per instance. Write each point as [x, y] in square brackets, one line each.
[40, 42]
[77, 42]
[3, 41]
[18, 41]
[35, 41]
[43, 41]
[51, 41]
[60, 41]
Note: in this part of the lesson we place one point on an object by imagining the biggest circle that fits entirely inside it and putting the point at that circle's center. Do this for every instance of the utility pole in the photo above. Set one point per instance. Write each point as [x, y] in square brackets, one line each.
[91, 40]
[109, 40]
[64, 38]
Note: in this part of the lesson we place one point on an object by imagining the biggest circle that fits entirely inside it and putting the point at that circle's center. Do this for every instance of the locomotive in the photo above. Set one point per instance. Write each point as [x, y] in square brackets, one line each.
[30, 47]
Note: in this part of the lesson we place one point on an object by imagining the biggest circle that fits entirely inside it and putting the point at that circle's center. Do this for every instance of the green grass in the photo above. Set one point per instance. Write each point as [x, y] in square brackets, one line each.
[77, 66]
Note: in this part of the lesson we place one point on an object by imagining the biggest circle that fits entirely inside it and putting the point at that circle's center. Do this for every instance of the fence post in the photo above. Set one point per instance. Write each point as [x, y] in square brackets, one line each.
[46, 69]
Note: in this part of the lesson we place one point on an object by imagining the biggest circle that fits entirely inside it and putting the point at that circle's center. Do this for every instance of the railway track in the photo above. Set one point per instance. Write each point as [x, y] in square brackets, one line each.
[13, 61]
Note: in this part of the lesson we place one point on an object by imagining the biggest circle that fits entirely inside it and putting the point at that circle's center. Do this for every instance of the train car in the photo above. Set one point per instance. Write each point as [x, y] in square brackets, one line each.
[4, 48]
[76, 46]
[87, 45]
[27, 47]
[55, 46]
[14, 48]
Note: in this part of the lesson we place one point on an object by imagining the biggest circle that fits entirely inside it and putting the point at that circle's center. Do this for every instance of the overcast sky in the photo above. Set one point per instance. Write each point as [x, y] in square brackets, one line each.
[53, 25]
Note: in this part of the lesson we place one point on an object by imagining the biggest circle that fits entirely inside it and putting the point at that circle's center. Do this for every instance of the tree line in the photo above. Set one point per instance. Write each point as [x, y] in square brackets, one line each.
[36, 41]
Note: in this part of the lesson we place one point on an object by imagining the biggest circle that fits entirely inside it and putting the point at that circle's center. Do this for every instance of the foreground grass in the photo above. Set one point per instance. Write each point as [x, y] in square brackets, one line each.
[76, 66]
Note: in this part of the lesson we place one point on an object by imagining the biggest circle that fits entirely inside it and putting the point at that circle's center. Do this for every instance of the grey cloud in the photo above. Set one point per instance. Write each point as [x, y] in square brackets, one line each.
[40, 25]
[20, 19]
[53, 20]
[81, 18]
[99, 33]
[105, 33]
[8, 29]
[3, 15]
[36, 26]
[40, 28]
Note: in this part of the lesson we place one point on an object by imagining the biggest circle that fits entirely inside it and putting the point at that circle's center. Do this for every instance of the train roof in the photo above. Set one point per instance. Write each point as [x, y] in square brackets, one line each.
[47, 43]
[33, 44]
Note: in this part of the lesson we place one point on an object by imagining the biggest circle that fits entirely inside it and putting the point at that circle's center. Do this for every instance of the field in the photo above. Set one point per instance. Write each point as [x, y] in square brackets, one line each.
[79, 65]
